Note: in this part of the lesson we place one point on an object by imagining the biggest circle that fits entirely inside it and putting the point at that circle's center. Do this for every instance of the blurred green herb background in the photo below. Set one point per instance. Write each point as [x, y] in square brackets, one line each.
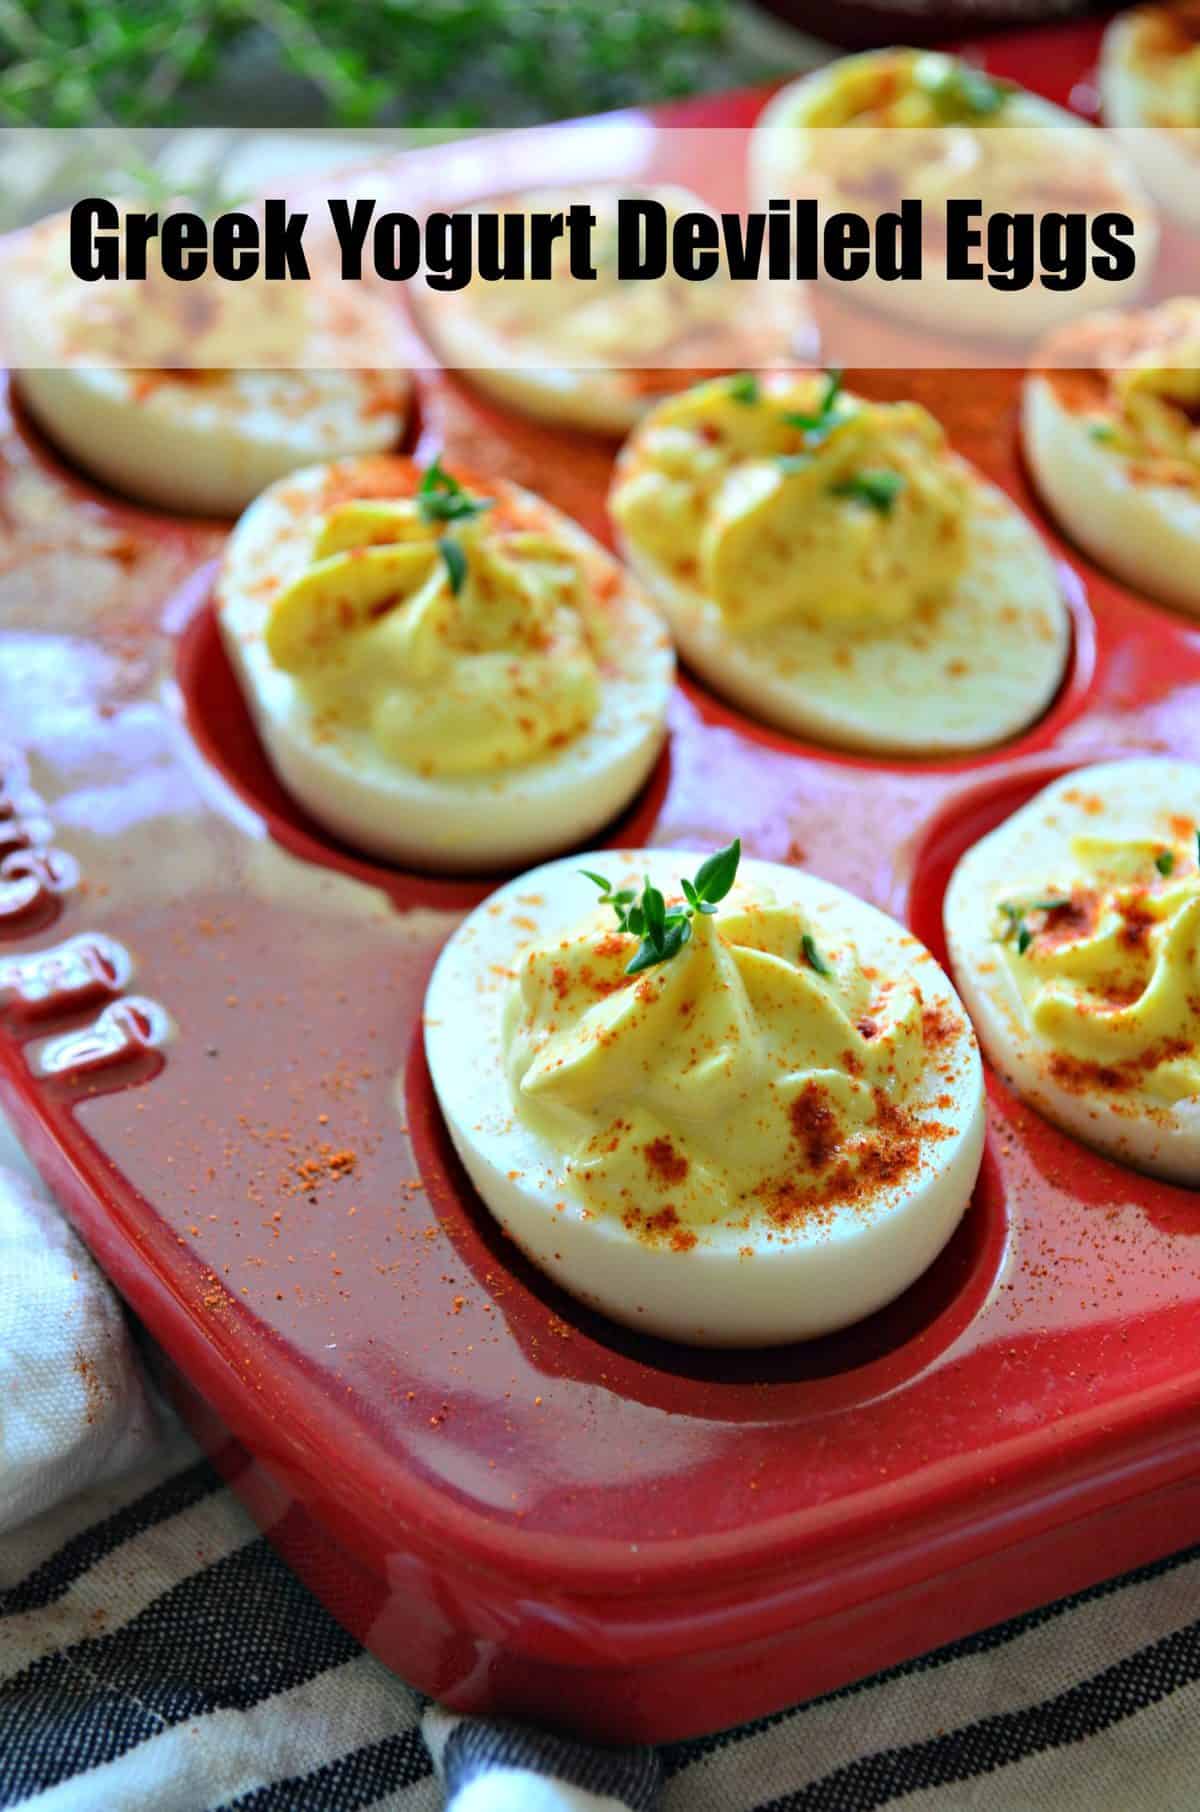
[365, 62]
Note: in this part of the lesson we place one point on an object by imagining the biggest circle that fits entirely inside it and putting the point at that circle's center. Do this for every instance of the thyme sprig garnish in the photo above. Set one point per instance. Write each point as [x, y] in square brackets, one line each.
[812, 956]
[743, 387]
[441, 498]
[1016, 915]
[878, 490]
[455, 562]
[960, 88]
[662, 929]
[816, 426]
[1164, 861]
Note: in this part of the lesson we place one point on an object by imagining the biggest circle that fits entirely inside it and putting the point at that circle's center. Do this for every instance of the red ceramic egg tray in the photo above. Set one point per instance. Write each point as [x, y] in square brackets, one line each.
[210, 1039]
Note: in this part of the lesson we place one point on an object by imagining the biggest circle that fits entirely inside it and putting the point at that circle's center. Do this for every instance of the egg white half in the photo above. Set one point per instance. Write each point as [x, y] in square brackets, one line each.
[1147, 534]
[194, 397]
[979, 668]
[781, 163]
[735, 1287]
[447, 822]
[209, 448]
[1115, 799]
[1129, 79]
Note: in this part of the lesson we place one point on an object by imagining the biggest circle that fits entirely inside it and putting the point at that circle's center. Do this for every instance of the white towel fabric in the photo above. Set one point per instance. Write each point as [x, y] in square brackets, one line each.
[74, 1408]
[156, 1656]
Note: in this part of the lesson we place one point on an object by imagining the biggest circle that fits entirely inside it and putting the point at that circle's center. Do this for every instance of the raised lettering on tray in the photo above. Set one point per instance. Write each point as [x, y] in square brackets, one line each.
[64, 978]
[125, 1029]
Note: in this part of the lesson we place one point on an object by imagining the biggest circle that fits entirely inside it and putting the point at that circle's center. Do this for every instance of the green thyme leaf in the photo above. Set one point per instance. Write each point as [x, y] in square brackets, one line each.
[456, 563]
[654, 908]
[652, 951]
[1015, 925]
[664, 930]
[879, 490]
[1165, 862]
[620, 899]
[957, 89]
[744, 387]
[716, 874]
[1102, 431]
[812, 955]
[817, 426]
[441, 498]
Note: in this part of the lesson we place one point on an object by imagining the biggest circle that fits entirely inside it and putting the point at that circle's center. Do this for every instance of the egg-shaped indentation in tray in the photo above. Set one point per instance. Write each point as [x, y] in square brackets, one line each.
[223, 730]
[806, 1378]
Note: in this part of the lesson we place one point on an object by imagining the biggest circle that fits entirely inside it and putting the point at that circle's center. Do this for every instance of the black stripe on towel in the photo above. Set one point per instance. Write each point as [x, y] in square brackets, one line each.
[227, 1637]
[353, 1781]
[1140, 1680]
[56, 1575]
[678, 1756]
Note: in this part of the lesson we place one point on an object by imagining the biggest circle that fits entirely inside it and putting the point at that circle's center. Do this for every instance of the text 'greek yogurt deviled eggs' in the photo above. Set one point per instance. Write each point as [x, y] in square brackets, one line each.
[195, 396]
[1111, 429]
[1074, 934]
[596, 353]
[835, 569]
[865, 132]
[728, 1112]
[447, 673]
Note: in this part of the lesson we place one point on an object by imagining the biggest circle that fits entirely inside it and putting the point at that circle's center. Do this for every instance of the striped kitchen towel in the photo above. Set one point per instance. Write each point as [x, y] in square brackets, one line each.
[156, 1655]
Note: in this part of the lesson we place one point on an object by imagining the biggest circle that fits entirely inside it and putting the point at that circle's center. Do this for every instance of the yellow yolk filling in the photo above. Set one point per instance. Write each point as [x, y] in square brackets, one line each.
[1183, 96]
[1175, 88]
[202, 329]
[908, 88]
[859, 521]
[1159, 411]
[1151, 414]
[495, 674]
[734, 1083]
[1110, 975]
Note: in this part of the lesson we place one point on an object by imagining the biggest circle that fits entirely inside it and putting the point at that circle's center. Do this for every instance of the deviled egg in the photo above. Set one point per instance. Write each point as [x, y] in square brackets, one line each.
[831, 566]
[596, 354]
[1110, 427]
[864, 132]
[732, 1113]
[444, 671]
[1149, 78]
[1074, 935]
[195, 396]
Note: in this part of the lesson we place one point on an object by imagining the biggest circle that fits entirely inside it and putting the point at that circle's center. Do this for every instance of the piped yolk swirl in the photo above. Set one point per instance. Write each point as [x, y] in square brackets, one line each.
[1110, 971]
[485, 656]
[858, 520]
[735, 1084]
[1141, 394]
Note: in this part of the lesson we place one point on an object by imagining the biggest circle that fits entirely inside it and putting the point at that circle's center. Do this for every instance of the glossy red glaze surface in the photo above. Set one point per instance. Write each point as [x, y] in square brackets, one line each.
[516, 1504]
